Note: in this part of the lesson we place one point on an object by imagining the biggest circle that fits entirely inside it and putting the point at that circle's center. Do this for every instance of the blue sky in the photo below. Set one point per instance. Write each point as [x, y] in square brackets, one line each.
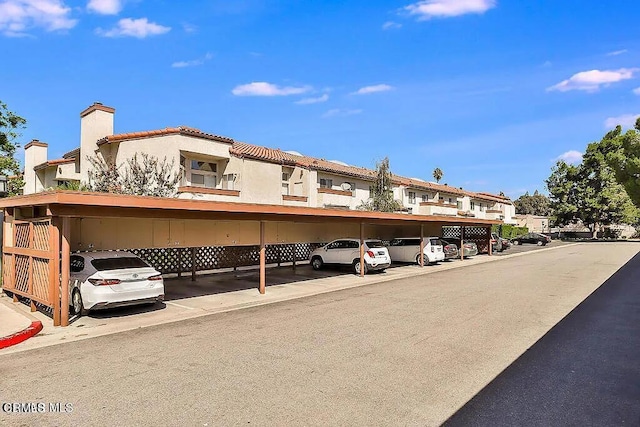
[490, 91]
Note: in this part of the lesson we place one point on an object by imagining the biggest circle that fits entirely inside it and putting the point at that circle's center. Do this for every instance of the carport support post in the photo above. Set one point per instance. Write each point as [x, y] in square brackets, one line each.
[362, 249]
[489, 240]
[421, 245]
[193, 264]
[64, 272]
[462, 242]
[263, 253]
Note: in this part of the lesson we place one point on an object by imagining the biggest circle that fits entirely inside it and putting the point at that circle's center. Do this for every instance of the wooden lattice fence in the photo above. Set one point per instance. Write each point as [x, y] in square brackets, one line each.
[29, 267]
[180, 260]
[478, 235]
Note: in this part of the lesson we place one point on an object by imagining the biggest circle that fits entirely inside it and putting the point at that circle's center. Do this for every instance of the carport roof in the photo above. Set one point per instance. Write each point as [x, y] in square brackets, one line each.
[85, 204]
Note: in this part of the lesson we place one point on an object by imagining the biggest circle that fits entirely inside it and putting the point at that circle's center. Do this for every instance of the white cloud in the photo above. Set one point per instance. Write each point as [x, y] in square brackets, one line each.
[139, 28]
[105, 7]
[18, 16]
[571, 157]
[617, 52]
[592, 80]
[193, 62]
[391, 25]
[636, 91]
[625, 120]
[189, 28]
[427, 9]
[268, 89]
[307, 101]
[372, 89]
[337, 112]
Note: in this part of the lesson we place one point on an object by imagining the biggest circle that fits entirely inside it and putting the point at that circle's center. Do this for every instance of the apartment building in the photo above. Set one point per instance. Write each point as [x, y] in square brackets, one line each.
[218, 168]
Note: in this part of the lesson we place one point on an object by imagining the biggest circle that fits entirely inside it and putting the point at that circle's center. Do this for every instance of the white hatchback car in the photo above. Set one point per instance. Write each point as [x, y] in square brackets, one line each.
[112, 279]
[407, 249]
[347, 252]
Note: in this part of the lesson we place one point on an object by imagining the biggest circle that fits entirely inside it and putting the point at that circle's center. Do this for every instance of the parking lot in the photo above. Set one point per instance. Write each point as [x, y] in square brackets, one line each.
[408, 351]
[528, 247]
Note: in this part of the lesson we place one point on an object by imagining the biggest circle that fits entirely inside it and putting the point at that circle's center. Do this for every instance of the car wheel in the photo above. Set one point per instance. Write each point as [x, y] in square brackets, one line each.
[516, 242]
[356, 267]
[316, 263]
[76, 304]
[540, 243]
[425, 260]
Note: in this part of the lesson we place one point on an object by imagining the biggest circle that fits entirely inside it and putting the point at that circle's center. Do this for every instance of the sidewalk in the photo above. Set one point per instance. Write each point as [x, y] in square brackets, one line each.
[121, 320]
[15, 326]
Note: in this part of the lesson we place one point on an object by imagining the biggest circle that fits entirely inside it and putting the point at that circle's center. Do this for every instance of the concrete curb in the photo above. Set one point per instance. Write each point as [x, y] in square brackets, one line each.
[23, 335]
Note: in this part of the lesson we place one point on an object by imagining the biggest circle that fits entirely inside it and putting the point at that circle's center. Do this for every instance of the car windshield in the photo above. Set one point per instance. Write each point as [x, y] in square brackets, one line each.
[374, 244]
[102, 264]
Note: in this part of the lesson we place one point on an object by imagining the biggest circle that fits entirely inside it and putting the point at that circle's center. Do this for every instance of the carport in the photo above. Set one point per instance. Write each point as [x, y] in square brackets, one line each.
[181, 236]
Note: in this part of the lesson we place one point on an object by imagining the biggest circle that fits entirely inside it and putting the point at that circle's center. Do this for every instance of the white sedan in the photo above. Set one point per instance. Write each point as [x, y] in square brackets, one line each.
[112, 279]
[347, 252]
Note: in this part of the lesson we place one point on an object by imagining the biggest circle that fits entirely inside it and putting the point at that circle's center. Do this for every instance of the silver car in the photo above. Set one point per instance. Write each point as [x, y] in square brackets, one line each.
[111, 279]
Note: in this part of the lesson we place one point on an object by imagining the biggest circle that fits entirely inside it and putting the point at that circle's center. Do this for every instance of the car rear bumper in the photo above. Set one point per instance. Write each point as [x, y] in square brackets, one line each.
[380, 266]
[94, 297]
[104, 305]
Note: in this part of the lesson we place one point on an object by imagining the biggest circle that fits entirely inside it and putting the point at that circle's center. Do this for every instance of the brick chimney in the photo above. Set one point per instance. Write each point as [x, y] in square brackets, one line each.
[35, 153]
[96, 122]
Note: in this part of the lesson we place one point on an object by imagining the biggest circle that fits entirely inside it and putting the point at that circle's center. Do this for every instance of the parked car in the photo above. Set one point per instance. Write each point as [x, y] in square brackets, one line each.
[506, 243]
[108, 279]
[347, 252]
[407, 249]
[470, 248]
[497, 244]
[450, 250]
[537, 238]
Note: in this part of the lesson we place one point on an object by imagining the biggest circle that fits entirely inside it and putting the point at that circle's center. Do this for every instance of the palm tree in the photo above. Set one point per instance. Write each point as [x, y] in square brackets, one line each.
[437, 174]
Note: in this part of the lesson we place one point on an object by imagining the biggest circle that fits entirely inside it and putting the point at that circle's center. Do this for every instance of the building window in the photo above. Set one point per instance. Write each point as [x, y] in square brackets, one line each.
[450, 201]
[228, 181]
[371, 191]
[459, 205]
[425, 197]
[326, 183]
[285, 183]
[473, 205]
[412, 197]
[199, 173]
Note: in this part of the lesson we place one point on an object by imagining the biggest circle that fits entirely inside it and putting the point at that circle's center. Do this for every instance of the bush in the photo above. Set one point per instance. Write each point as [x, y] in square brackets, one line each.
[510, 231]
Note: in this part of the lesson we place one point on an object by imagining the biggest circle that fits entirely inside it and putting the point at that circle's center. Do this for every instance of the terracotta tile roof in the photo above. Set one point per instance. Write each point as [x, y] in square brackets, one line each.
[244, 150]
[180, 130]
[72, 154]
[424, 185]
[55, 162]
[490, 197]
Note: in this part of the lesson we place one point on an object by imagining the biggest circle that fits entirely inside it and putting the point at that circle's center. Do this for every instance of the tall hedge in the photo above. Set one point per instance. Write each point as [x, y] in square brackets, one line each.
[510, 231]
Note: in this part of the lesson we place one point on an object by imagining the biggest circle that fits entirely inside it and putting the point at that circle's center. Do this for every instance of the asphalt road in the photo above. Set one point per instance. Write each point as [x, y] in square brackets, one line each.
[405, 352]
[584, 372]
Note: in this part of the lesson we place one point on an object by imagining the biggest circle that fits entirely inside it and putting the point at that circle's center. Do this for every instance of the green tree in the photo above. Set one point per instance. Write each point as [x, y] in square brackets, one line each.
[382, 191]
[621, 152]
[563, 192]
[10, 126]
[538, 204]
[590, 193]
[437, 174]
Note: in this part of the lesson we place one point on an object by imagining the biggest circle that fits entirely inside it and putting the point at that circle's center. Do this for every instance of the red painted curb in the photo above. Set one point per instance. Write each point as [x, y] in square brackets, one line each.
[23, 335]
